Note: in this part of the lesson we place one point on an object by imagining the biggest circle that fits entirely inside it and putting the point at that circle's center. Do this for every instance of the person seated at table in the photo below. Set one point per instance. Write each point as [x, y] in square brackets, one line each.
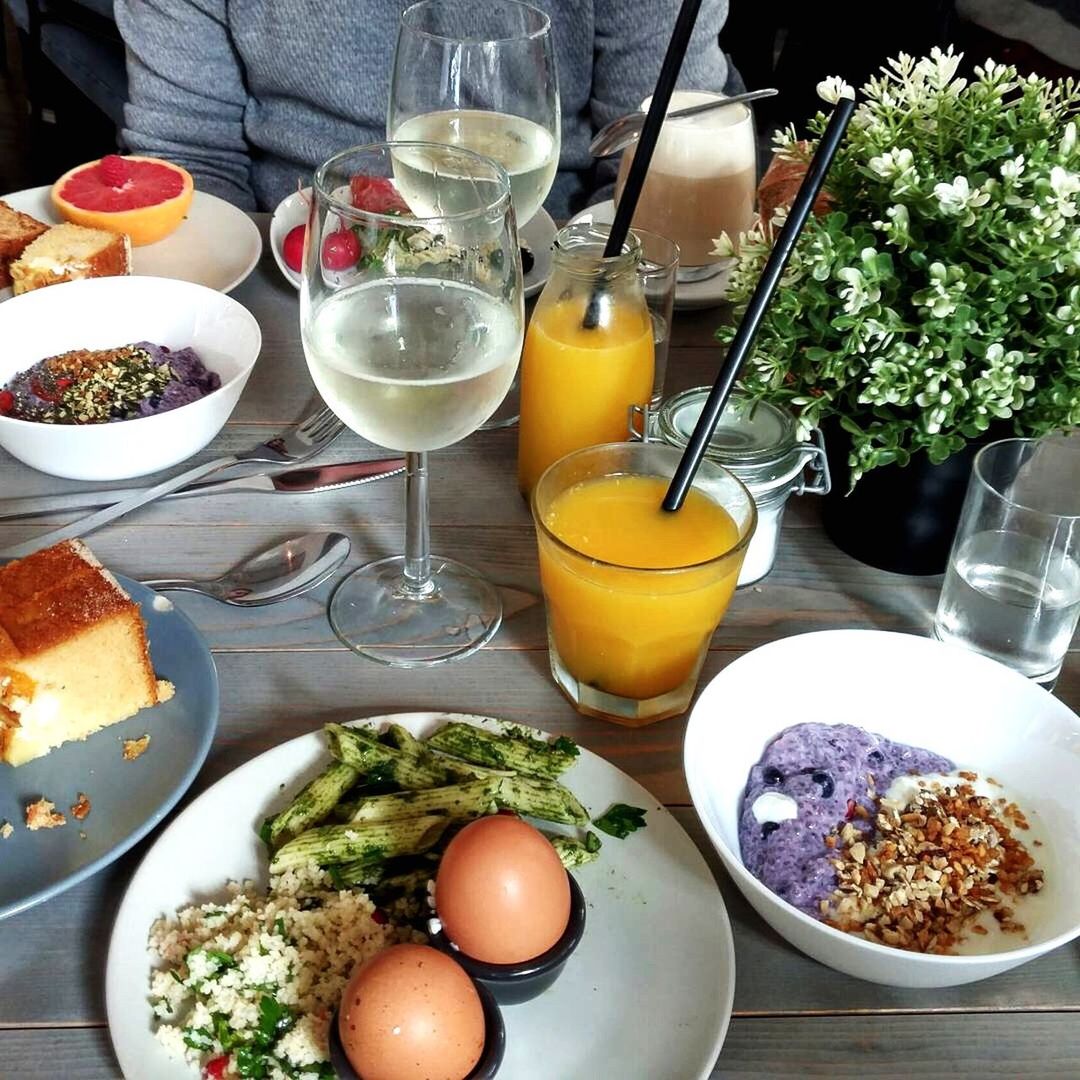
[250, 95]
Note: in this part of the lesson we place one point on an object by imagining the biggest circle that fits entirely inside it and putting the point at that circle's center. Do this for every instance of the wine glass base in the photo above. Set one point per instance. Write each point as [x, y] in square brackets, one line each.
[375, 615]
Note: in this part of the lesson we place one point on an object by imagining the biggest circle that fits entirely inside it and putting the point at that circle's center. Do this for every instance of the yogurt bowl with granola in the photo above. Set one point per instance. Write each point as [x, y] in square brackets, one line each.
[117, 377]
[901, 810]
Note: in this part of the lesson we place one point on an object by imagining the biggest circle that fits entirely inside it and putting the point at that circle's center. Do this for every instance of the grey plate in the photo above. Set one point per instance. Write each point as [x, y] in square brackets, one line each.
[128, 798]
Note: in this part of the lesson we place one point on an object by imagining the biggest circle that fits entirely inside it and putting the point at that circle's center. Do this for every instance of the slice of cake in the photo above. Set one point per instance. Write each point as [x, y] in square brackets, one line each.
[17, 230]
[73, 652]
[67, 253]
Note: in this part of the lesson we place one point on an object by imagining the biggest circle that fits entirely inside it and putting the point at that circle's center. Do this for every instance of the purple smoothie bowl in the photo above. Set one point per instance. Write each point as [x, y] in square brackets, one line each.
[912, 693]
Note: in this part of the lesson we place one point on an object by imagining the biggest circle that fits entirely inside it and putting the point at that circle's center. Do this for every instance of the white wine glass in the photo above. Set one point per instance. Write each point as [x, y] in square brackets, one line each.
[481, 74]
[412, 317]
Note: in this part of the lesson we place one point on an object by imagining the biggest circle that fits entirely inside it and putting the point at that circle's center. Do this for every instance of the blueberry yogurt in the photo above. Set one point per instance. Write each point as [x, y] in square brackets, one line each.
[807, 784]
[97, 386]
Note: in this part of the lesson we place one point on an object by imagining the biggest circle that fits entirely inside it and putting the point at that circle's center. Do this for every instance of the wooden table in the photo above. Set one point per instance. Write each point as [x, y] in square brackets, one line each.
[283, 673]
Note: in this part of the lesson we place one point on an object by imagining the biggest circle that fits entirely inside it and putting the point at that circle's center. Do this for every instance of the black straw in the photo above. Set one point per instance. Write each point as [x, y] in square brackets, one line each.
[650, 132]
[758, 305]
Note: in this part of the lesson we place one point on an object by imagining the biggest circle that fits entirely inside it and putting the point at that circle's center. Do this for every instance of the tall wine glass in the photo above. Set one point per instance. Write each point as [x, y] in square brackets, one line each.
[481, 74]
[411, 316]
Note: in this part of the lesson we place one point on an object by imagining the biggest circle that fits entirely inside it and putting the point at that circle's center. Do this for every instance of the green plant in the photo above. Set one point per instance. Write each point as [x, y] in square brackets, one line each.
[941, 292]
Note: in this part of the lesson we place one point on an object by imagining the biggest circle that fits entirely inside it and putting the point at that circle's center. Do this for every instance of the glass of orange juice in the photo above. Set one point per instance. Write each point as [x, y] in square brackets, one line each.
[580, 375]
[633, 592]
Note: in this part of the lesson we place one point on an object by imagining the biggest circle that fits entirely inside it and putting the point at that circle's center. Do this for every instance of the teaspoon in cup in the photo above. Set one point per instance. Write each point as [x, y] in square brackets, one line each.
[278, 573]
[611, 138]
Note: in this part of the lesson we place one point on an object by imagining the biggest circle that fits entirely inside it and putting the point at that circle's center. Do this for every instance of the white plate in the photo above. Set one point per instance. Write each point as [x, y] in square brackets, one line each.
[647, 994]
[689, 295]
[216, 245]
[539, 234]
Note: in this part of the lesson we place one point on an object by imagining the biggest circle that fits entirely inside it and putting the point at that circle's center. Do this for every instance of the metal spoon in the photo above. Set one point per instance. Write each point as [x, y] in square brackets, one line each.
[278, 573]
[611, 138]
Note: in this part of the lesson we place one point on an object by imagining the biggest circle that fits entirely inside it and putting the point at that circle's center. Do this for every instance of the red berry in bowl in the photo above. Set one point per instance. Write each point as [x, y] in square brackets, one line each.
[7, 402]
[292, 250]
[376, 194]
[340, 250]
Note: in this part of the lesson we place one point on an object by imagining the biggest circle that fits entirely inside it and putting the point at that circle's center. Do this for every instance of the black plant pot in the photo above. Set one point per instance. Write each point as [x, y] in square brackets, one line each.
[898, 518]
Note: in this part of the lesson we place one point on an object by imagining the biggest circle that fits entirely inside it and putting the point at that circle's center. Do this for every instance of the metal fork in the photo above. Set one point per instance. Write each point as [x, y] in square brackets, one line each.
[291, 446]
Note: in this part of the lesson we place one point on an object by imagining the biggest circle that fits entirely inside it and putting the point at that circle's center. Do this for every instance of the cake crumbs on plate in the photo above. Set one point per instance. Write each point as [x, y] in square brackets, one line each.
[80, 807]
[135, 748]
[936, 862]
[43, 814]
[6, 829]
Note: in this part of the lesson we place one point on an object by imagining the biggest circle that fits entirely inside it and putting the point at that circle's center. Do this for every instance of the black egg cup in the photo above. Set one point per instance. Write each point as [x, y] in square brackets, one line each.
[486, 1068]
[514, 983]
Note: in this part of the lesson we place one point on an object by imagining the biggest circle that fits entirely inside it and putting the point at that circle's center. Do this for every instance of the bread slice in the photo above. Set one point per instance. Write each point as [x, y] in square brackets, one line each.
[73, 652]
[69, 252]
[17, 230]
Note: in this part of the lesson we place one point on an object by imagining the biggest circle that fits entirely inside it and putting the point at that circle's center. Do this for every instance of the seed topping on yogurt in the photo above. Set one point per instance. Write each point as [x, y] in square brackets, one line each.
[937, 859]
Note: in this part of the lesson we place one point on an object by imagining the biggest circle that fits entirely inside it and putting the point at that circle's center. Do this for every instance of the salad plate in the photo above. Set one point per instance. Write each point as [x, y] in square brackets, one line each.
[538, 234]
[216, 245]
[127, 798]
[689, 295]
[647, 994]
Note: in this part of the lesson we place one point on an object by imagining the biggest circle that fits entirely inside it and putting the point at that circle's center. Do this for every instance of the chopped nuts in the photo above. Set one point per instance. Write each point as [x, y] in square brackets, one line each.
[930, 869]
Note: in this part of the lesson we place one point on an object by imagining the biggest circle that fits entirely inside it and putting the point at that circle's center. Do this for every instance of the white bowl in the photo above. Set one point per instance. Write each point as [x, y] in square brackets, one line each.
[973, 710]
[105, 312]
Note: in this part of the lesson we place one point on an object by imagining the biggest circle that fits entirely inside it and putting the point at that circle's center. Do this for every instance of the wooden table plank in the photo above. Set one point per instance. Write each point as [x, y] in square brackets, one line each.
[1036, 1045]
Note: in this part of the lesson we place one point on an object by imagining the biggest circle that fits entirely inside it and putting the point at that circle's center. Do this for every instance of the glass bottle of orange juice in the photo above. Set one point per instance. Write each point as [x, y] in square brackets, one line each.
[588, 351]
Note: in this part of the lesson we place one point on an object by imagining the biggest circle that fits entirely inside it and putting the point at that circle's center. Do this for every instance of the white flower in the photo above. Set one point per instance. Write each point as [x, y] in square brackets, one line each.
[1068, 140]
[858, 292]
[892, 163]
[1063, 182]
[723, 246]
[939, 67]
[1011, 169]
[833, 89]
[960, 199]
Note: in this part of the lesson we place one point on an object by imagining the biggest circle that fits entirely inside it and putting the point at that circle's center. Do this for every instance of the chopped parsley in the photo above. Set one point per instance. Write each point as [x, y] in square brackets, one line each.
[620, 820]
[592, 842]
[565, 745]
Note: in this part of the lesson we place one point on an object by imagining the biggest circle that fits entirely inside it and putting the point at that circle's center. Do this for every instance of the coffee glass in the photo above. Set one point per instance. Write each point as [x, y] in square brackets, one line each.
[701, 181]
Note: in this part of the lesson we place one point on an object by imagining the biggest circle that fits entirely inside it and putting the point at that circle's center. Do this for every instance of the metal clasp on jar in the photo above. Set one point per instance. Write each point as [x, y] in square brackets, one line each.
[820, 482]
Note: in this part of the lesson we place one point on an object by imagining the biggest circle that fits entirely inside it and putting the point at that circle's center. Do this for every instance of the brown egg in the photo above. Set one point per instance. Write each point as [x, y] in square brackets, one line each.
[411, 1013]
[501, 892]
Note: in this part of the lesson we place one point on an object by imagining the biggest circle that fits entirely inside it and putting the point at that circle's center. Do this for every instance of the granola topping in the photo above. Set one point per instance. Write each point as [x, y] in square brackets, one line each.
[933, 864]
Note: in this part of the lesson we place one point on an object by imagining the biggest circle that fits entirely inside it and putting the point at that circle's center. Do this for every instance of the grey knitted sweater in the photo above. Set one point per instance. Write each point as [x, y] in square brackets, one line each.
[250, 95]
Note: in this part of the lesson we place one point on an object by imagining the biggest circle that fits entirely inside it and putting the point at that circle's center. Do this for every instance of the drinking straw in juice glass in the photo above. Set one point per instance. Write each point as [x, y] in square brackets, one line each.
[578, 382]
[701, 180]
[658, 271]
[634, 593]
[1012, 587]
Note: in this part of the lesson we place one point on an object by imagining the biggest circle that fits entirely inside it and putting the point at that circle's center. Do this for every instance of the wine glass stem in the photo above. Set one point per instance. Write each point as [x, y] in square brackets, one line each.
[417, 541]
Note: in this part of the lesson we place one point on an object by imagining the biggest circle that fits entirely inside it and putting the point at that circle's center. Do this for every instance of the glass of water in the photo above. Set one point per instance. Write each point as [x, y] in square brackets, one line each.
[1012, 587]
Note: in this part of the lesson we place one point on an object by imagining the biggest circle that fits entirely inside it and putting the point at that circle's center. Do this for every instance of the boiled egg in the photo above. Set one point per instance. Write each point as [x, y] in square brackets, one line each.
[411, 1013]
[501, 893]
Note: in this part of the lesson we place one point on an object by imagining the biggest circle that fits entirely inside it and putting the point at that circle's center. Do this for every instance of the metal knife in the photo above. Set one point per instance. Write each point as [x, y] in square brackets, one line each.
[312, 478]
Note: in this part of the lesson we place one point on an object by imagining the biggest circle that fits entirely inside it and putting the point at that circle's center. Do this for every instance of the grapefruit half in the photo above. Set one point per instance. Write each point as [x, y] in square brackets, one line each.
[144, 197]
